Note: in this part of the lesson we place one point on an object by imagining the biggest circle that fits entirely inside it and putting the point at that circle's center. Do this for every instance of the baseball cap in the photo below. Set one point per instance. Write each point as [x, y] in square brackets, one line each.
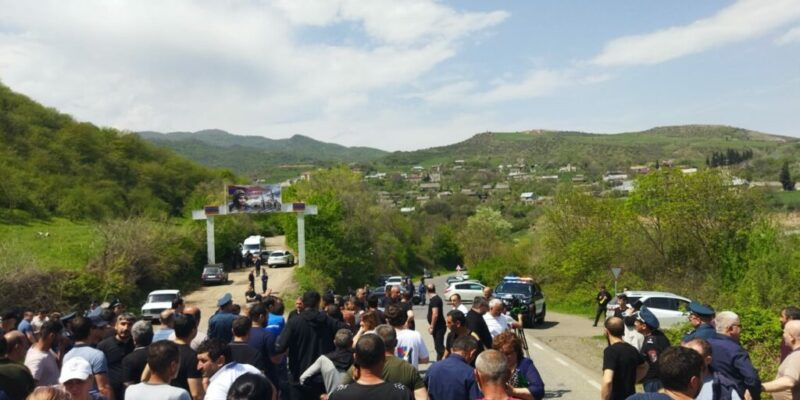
[75, 368]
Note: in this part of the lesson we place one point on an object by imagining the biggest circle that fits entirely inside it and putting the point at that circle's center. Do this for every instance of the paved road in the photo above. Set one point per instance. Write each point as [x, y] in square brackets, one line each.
[206, 297]
[564, 378]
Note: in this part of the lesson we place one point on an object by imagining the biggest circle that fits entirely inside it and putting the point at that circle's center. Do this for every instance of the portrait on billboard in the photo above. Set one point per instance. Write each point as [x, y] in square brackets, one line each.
[254, 198]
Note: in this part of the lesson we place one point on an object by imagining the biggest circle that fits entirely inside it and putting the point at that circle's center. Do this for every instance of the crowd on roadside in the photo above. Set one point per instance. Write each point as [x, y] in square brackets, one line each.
[709, 363]
[363, 345]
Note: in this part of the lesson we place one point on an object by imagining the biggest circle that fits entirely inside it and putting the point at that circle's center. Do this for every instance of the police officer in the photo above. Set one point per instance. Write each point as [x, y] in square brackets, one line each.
[655, 342]
[700, 317]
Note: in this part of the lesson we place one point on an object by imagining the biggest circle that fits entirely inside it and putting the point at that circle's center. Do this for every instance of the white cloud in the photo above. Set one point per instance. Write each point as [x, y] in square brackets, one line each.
[242, 66]
[741, 21]
[536, 83]
[792, 36]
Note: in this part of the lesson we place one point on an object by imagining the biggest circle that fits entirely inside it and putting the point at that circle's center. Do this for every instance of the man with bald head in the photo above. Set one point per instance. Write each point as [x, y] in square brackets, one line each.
[731, 360]
[17, 346]
[167, 318]
[623, 365]
[710, 379]
[787, 384]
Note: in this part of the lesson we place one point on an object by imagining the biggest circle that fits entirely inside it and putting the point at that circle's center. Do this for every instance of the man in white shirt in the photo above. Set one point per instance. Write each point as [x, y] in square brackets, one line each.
[214, 360]
[410, 346]
[455, 301]
[496, 321]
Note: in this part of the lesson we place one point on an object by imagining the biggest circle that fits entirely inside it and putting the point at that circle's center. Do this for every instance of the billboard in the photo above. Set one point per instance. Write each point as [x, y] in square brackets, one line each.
[254, 198]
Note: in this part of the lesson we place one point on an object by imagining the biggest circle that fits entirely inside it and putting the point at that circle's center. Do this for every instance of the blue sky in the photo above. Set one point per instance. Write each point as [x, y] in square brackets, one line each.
[402, 75]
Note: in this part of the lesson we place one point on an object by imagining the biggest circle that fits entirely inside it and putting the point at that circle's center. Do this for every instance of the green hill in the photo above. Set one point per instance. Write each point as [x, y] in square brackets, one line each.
[256, 155]
[55, 166]
[596, 153]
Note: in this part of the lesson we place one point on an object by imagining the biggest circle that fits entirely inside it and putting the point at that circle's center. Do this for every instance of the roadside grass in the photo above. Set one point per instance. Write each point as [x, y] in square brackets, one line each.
[51, 245]
[566, 307]
[786, 200]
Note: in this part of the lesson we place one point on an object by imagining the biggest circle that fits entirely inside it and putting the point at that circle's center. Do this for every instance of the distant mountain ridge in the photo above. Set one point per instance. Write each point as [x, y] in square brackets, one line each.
[254, 154]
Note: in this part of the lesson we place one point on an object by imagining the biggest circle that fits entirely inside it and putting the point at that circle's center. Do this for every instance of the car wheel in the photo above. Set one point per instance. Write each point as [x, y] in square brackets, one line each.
[542, 315]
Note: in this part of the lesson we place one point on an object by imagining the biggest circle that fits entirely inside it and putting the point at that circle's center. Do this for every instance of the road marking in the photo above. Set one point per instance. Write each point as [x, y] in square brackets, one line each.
[593, 383]
[562, 362]
[538, 346]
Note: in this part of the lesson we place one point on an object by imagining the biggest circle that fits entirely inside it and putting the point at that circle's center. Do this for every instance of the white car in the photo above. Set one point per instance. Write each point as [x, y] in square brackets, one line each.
[394, 280]
[468, 290]
[669, 308]
[280, 257]
[158, 301]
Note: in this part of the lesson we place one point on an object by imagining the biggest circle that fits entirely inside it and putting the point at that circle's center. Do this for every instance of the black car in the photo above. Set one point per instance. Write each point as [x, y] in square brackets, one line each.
[522, 296]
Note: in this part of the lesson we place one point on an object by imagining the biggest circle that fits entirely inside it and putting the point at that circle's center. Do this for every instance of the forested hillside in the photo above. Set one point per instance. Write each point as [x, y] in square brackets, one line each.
[55, 166]
[256, 155]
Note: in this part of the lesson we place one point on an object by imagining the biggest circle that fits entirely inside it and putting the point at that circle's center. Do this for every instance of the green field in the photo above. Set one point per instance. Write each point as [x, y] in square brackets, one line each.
[67, 245]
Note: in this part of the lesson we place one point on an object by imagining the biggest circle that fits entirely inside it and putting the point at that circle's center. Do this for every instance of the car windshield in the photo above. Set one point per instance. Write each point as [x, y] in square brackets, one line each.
[211, 271]
[514, 288]
[251, 247]
[161, 298]
[276, 254]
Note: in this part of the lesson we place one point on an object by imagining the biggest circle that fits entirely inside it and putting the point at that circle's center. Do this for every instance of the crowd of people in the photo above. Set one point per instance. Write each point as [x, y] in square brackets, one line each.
[327, 347]
[364, 346]
[708, 363]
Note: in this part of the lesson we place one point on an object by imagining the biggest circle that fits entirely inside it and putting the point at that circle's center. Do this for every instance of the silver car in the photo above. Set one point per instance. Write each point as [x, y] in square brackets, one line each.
[669, 308]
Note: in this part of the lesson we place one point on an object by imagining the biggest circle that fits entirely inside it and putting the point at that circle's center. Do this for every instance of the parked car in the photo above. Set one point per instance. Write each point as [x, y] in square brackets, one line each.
[522, 296]
[456, 278]
[426, 274]
[468, 290]
[158, 301]
[394, 280]
[280, 257]
[669, 308]
[214, 274]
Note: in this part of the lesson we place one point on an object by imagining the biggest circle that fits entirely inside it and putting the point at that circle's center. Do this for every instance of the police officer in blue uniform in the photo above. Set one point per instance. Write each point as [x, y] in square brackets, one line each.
[655, 342]
[731, 361]
[700, 316]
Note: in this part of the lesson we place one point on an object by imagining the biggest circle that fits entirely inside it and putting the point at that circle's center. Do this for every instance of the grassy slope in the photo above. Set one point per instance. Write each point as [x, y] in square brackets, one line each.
[689, 144]
[70, 245]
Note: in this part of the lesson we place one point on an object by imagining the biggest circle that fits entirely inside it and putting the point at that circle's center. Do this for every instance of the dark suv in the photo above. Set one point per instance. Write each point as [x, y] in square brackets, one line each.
[522, 296]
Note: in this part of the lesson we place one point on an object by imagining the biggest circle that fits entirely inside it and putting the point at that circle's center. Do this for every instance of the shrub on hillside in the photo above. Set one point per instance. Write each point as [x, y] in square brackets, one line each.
[142, 255]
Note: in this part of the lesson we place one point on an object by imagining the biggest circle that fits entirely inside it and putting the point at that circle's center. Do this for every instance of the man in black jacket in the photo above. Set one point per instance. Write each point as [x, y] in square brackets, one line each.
[602, 298]
[305, 338]
[477, 324]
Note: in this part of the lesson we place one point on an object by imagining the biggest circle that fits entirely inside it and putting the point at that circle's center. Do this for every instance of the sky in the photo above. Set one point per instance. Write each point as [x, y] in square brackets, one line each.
[410, 74]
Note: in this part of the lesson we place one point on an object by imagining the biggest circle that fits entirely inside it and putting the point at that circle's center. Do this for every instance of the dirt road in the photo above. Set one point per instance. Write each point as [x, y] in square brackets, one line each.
[280, 281]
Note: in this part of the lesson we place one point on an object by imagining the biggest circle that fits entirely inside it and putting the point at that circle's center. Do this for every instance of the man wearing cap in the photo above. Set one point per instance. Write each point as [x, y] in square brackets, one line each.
[220, 325]
[700, 317]
[75, 376]
[86, 331]
[655, 342]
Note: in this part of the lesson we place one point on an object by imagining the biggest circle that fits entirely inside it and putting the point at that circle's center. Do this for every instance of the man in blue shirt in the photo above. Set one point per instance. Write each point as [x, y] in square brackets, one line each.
[453, 378]
[730, 360]
[220, 325]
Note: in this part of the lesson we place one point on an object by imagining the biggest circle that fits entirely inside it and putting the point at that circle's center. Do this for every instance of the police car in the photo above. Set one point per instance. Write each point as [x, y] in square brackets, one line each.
[522, 296]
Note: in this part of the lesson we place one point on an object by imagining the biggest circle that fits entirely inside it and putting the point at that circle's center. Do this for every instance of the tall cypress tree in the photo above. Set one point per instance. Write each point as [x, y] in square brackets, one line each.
[785, 178]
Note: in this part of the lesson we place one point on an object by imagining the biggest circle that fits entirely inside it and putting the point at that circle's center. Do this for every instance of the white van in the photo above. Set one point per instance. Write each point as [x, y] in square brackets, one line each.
[256, 245]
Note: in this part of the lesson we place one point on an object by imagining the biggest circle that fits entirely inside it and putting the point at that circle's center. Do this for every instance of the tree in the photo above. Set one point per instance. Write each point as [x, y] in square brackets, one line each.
[786, 178]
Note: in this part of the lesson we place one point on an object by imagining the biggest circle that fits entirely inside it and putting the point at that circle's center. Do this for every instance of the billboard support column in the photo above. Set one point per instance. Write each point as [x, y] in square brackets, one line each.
[301, 239]
[210, 239]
